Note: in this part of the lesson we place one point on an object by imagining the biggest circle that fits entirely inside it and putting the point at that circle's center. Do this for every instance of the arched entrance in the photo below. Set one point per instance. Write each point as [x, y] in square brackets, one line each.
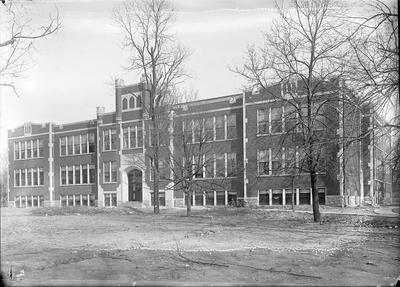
[135, 185]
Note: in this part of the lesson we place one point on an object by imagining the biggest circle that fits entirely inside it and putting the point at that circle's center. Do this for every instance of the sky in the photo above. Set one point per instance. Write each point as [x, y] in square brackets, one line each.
[73, 71]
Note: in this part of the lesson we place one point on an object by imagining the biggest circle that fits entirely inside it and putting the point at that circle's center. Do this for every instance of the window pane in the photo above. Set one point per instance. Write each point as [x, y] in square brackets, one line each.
[139, 136]
[304, 196]
[209, 129]
[84, 139]
[220, 197]
[209, 165]
[198, 130]
[92, 175]
[84, 200]
[77, 199]
[28, 149]
[188, 131]
[113, 139]
[91, 142]
[262, 121]
[17, 177]
[198, 198]
[23, 182]
[106, 139]
[231, 164]
[263, 198]
[63, 200]
[92, 200]
[219, 127]
[133, 137]
[231, 126]
[106, 170]
[124, 104]
[70, 200]
[35, 148]
[277, 197]
[16, 150]
[22, 150]
[209, 197]
[84, 174]
[70, 175]
[41, 200]
[63, 175]
[114, 171]
[35, 201]
[41, 148]
[29, 177]
[35, 177]
[17, 202]
[113, 199]
[125, 133]
[63, 146]
[132, 102]
[276, 162]
[276, 120]
[263, 162]
[70, 143]
[220, 165]
[77, 144]
[77, 174]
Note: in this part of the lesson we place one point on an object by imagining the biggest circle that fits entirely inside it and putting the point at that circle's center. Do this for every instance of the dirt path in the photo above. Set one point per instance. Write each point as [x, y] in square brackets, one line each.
[216, 246]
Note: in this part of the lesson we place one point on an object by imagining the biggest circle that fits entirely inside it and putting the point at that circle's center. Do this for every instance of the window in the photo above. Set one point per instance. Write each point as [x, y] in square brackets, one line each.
[35, 153]
[84, 174]
[110, 199]
[70, 200]
[35, 175]
[63, 175]
[263, 198]
[125, 134]
[110, 171]
[220, 197]
[41, 176]
[209, 165]
[84, 200]
[220, 165]
[84, 143]
[290, 160]
[277, 197]
[17, 202]
[22, 150]
[210, 198]
[77, 174]
[290, 118]
[262, 122]
[70, 175]
[138, 101]
[29, 149]
[321, 195]
[220, 127]
[232, 198]
[23, 178]
[276, 167]
[109, 140]
[63, 146]
[318, 117]
[132, 102]
[77, 144]
[187, 129]
[304, 196]
[139, 136]
[70, 141]
[124, 104]
[231, 126]
[17, 177]
[92, 173]
[29, 177]
[91, 143]
[209, 129]
[16, 150]
[198, 198]
[132, 137]
[198, 130]
[77, 200]
[198, 166]
[92, 200]
[276, 120]
[231, 164]
[63, 199]
[288, 196]
[163, 169]
[263, 162]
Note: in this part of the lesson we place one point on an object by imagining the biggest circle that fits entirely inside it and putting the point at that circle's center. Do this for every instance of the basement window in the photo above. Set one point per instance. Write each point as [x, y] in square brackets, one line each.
[220, 197]
[210, 198]
[232, 196]
[277, 197]
[77, 200]
[41, 200]
[63, 200]
[84, 200]
[161, 197]
[321, 195]
[288, 197]
[263, 198]
[198, 198]
[70, 200]
[110, 199]
[304, 197]
[92, 200]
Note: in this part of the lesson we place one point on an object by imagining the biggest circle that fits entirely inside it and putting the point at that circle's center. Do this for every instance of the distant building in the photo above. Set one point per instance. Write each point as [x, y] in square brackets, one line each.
[103, 162]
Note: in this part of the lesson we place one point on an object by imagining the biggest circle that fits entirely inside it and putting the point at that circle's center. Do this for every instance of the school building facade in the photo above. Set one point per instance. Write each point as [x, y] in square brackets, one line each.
[103, 161]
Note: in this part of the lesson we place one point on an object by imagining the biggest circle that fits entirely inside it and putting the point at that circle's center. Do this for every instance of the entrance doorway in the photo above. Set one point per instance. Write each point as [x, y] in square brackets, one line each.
[135, 185]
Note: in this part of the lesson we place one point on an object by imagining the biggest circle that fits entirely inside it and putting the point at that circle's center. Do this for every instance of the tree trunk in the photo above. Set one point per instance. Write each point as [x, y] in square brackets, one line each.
[154, 141]
[315, 203]
[293, 198]
[188, 202]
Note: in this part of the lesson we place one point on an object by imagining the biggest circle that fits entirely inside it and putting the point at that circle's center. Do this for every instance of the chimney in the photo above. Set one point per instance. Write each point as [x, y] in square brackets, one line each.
[100, 111]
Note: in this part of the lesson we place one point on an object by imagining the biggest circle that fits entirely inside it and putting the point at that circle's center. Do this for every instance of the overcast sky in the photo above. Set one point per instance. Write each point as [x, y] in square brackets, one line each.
[73, 70]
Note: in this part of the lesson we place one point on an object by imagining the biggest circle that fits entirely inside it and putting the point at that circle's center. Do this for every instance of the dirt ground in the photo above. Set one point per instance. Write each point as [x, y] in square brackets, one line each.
[94, 246]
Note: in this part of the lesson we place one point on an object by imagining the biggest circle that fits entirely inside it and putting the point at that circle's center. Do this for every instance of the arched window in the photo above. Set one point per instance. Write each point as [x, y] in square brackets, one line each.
[124, 104]
[132, 102]
[138, 102]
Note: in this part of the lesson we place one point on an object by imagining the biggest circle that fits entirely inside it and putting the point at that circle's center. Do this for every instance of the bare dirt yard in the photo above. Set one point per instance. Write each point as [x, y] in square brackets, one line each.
[94, 246]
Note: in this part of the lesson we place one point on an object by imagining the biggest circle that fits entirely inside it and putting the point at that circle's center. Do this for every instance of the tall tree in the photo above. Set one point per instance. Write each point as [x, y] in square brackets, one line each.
[303, 52]
[17, 36]
[157, 56]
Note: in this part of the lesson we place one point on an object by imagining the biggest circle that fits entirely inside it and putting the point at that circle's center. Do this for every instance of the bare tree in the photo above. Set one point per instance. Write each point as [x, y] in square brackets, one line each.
[303, 53]
[16, 39]
[157, 56]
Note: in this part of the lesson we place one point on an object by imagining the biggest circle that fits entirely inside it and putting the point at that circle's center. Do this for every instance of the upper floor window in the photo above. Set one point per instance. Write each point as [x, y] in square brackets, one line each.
[28, 149]
[198, 130]
[276, 163]
[220, 165]
[209, 129]
[29, 177]
[263, 162]
[220, 127]
[262, 121]
[109, 140]
[110, 171]
[290, 118]
[231, 164]
[132, 137]
[188, 131]
[77, 174]
[160, 135]
[130, 102]
[77, 144]
[231, 126]
[276, 120]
